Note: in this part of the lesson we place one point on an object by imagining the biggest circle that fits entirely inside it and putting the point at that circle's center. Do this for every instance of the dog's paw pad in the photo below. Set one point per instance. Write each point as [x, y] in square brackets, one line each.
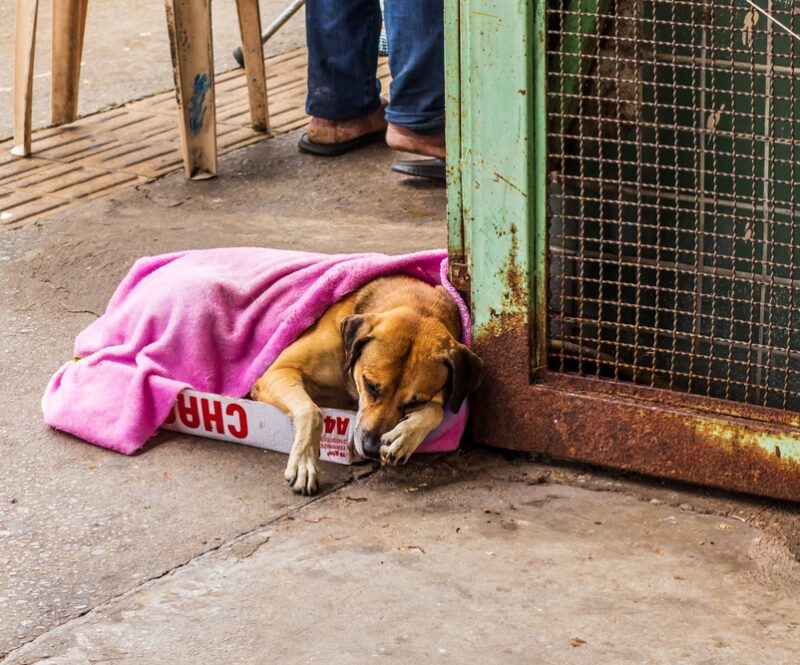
[302, 476]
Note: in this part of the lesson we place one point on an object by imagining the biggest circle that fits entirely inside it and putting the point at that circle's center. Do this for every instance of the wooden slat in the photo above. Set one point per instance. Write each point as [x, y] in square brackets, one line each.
[69, 24]
[253, 51]
[122, 147]
[193, 66]
[24, 49]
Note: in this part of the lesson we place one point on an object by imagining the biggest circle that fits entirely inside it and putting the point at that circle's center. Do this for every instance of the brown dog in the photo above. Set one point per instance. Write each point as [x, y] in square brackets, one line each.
[393, 348]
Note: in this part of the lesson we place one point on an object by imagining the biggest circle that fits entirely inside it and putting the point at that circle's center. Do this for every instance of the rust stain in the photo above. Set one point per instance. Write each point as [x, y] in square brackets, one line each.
[674, 398]
[514, 280]
[460, 277]
[623, 433]
[501, 325]
[503, 346]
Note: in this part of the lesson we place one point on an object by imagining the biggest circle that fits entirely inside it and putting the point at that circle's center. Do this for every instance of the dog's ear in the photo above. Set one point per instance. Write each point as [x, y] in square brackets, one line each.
[355, 335]
[465, 372]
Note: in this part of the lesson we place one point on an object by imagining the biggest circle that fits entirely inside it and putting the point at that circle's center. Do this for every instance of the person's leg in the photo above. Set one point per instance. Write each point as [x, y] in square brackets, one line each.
[342, 38]
[415, 31]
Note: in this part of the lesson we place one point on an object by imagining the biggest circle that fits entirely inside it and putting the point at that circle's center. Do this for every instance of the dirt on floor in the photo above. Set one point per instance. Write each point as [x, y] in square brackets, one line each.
[195, 551]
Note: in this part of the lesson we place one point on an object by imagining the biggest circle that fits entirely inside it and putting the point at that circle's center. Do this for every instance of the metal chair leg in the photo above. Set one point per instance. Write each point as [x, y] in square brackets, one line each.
[253, 51]
[189, 24]
[272, 28]
[69, 24]
[24, 48]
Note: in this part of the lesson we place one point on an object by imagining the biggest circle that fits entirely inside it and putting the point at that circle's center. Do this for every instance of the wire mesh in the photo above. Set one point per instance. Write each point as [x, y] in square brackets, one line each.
[674, 144]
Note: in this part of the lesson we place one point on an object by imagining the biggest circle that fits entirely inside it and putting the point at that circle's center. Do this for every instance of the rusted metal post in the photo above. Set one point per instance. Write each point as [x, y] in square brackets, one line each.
[189, 24]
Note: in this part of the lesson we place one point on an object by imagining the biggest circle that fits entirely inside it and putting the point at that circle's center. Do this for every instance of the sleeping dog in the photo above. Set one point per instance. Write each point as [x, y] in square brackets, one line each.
[393, 348]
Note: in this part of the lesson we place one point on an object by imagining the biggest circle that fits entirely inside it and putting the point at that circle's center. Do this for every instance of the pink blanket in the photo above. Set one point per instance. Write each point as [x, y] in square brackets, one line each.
[212, 320]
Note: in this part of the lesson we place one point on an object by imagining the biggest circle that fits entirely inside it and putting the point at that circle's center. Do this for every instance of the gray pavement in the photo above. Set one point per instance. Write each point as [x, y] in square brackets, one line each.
[126, 52]
[194, 551]
[462, 570]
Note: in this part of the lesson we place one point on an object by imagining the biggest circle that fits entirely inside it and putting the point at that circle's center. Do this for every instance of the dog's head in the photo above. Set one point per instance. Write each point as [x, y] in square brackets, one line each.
[401, 361]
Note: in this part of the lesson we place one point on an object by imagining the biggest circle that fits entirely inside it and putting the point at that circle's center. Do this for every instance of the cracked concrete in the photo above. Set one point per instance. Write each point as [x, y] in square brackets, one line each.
[79, 524]
[194, 551]
[458, 566]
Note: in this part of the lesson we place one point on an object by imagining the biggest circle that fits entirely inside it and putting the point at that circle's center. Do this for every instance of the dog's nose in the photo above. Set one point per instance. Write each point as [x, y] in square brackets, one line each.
[371, 445]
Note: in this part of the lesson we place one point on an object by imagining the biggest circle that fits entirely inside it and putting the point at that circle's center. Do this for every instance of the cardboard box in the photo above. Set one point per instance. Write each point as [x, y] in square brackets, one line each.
[258, 424]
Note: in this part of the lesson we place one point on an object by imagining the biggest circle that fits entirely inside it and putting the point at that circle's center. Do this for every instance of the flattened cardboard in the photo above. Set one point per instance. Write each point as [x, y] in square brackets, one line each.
[257, 424]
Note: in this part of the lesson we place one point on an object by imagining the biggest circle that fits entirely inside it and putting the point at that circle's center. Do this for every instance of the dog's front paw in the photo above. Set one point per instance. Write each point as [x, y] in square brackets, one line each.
[302, 473]
[399, 444]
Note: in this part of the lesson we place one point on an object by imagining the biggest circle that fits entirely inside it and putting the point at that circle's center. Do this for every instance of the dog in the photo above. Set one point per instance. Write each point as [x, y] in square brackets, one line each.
[393, 349]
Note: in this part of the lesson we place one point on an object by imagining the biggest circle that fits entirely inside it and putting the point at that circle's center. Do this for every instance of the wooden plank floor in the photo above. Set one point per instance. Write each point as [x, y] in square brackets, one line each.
[109, 151]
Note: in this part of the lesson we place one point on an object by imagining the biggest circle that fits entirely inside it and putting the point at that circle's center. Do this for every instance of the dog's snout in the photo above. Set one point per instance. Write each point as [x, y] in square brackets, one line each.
[371, 445]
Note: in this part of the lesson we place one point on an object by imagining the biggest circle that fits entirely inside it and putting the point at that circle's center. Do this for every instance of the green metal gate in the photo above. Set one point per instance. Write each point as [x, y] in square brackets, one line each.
[622, 209]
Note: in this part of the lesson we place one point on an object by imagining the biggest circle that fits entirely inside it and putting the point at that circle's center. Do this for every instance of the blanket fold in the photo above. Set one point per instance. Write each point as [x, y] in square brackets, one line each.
[212, 320]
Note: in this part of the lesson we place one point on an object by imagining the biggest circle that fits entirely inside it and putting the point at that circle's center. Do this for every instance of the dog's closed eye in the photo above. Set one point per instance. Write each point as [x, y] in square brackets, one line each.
[413, 403]
[373, 389]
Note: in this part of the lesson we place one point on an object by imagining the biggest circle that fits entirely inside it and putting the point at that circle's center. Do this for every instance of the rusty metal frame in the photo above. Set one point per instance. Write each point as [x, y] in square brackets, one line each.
[497, 215]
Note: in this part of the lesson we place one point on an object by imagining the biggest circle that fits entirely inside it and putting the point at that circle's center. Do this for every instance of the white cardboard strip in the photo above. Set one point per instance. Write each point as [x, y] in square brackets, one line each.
[258, 424]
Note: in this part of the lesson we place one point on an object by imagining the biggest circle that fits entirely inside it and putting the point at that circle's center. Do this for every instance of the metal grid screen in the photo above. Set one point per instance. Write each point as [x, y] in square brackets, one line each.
[674, 144]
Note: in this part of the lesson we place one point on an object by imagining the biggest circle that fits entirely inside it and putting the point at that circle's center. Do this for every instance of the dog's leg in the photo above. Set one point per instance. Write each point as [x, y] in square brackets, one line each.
[409, 433]
[283, 387]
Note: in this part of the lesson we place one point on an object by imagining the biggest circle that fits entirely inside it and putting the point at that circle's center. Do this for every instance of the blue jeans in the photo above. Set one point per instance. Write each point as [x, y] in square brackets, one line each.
[342, 37]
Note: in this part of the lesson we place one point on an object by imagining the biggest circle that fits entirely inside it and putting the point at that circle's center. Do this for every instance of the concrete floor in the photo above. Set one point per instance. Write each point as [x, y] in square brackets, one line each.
[126, 52]
[194, 551]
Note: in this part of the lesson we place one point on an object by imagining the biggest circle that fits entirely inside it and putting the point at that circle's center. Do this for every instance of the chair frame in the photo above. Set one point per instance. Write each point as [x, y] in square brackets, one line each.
[191, 46]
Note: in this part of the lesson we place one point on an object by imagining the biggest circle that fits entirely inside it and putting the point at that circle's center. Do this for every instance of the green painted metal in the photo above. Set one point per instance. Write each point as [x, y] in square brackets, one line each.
[573, 58]
[769, 441]
[455, 222]
[498, 213]
[495, 200]
[540, 336]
